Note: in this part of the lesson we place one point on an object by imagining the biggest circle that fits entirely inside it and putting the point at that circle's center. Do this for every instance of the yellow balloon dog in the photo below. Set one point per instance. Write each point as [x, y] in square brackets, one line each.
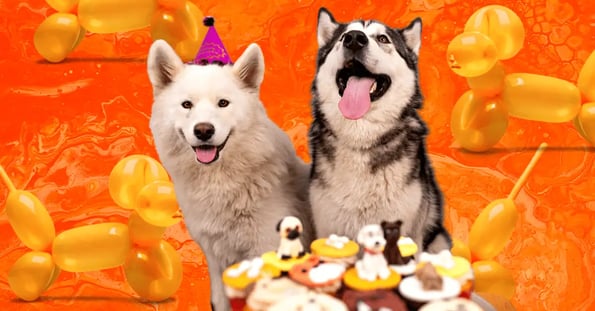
[175, 21]
[152, 266]
[480, 116]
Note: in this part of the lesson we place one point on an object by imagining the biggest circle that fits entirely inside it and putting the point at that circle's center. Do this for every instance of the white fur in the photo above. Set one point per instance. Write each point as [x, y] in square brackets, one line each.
[372, 265]
[231, 206]
[287, 247]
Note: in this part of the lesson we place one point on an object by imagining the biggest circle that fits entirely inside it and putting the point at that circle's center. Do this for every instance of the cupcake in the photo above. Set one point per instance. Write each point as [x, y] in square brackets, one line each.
[455, 267]
[373, 300]
[337, 249]
[456, 304]
[238, 278]
[268, 292]
[407, 249]
[320, 277]
[284, 265]
[427, 285]
[309, 301]
[290, 251]
[371, 271]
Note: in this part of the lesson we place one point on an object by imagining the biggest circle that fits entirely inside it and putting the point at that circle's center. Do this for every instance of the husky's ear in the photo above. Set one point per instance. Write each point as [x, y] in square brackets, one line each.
[412, 35]
[163, 64]
[326, 26]
[250, 66]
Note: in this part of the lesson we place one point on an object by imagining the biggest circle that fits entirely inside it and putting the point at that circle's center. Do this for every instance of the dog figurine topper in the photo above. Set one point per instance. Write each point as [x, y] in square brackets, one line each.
[373, 265]
[290, 229]
[392, 233]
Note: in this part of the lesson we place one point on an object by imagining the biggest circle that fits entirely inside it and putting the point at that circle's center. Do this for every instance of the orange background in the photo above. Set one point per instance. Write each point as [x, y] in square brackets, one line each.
[64, 126]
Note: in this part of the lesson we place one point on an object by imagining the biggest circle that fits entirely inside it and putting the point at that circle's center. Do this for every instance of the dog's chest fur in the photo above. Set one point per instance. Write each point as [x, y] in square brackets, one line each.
[364, 197]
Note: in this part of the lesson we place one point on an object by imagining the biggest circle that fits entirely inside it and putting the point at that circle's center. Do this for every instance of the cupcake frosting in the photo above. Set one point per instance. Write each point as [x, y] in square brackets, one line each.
[309, 301]
[412, 289]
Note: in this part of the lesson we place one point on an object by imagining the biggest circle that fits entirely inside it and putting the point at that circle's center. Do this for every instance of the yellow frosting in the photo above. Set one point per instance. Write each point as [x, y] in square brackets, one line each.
[271, 258]
[319, 247]
[242, 281]
[408, 249]
[460, 268]
[352, 280]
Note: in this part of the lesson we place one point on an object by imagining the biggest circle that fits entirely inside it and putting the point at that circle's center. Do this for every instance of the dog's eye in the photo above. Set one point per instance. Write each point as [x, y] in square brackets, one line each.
[288, 230]
[223, 103]
[382, 39]
[186, 104]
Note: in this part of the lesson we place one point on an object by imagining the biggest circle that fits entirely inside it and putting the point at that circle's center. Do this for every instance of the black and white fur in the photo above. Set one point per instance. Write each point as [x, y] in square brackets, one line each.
[375, 168]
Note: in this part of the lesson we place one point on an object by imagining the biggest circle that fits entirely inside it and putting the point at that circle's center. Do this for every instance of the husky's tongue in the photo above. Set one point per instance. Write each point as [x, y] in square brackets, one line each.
[356, 98]
[206, 155]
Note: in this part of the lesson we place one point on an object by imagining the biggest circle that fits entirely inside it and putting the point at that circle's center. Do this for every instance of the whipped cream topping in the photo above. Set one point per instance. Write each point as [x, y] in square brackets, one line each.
[251, 267]
[406, 269]
[442, 259]
[326, 272]
[337, 241]
[412, 289]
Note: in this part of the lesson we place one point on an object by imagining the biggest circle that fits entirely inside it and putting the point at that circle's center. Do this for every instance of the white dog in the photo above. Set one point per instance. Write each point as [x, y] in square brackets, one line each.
[235, 171]
[290, 228]
[373, 265]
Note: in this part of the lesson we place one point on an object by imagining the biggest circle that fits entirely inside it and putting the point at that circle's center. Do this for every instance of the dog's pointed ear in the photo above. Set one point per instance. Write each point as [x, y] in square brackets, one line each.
[326, 26]
[250, 66]
[163, 65]
[278, 227]
[361, 236]
[412, 35]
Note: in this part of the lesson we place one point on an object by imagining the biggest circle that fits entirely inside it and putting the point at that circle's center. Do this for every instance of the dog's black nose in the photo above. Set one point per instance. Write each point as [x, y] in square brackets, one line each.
[204, 131]
[355, 40]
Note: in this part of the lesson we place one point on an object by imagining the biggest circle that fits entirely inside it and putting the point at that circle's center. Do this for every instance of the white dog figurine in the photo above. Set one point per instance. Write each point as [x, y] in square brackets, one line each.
[290, 228]
[373, 265]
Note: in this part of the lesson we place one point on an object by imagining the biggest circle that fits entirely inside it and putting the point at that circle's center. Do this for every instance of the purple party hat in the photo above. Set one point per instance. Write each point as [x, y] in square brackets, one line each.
[212, 50]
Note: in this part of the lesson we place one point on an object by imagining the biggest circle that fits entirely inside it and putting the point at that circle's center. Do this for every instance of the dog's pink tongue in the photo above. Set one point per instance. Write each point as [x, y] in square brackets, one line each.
[206, 155]
[356, 98]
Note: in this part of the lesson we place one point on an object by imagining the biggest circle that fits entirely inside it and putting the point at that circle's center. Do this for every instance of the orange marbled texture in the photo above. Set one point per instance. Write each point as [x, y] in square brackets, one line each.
[64, 126]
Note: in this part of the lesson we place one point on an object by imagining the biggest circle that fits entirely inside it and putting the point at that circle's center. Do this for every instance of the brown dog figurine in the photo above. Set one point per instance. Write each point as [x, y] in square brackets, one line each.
[392, 233]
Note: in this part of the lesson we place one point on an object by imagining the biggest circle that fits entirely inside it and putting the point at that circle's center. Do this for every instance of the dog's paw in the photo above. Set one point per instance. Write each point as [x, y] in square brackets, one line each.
[301, 254]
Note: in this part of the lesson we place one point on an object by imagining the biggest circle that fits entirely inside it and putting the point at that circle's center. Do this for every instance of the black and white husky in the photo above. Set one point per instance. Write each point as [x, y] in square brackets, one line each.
[367, 140]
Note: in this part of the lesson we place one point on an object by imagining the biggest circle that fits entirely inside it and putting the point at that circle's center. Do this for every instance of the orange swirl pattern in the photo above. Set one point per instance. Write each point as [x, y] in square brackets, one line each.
[64, 126]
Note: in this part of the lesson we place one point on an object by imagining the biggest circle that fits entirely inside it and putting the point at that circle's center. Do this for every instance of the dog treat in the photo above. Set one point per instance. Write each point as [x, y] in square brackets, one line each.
[322, 277]
[425, 287]
[309, 301]
[373, 300]
[455, 267]
[337, 249]
[238, 277]
[430, 279]
[290, 228]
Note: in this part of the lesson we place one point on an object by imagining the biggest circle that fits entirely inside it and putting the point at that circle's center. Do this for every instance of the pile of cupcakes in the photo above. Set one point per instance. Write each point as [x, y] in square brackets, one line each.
[382, 271]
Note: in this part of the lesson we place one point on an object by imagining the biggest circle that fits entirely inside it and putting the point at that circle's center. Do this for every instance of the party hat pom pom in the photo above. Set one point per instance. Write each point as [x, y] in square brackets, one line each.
[208, 21]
